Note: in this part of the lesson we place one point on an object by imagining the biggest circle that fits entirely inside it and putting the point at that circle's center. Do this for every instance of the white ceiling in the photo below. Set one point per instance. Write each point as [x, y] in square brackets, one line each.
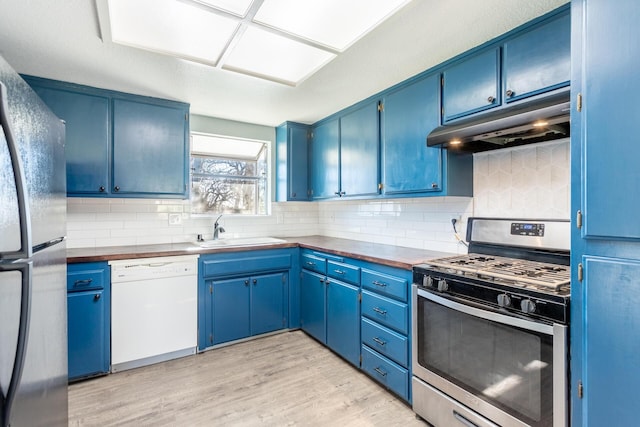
[61, 40]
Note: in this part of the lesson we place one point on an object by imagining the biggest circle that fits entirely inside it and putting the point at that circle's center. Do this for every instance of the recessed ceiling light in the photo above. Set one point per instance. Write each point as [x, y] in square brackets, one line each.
[264, 54]
[171, 27]
[334, 23]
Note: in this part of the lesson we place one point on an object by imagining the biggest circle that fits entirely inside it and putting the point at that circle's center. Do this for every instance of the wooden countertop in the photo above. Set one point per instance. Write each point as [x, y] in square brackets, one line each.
[393, 256]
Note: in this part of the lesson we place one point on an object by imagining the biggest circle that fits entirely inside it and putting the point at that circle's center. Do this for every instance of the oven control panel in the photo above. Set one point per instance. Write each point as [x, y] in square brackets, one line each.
[527, 229]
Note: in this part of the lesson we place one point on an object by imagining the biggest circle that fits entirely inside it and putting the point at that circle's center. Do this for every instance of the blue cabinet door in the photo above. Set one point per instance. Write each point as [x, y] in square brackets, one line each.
[292, 176]
[471, 85]
[408, 165]
[86, 334]
[359, 152]
[343, 320]
[87, 137]
[150, 149]
[611, 297]
[313, 305]
[325, 160]
[230, 309]
[538, 60]
[267, 303]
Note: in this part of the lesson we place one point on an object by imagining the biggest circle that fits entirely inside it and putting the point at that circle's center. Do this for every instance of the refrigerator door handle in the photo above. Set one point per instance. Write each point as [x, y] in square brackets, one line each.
[25, 250]
[26, 269]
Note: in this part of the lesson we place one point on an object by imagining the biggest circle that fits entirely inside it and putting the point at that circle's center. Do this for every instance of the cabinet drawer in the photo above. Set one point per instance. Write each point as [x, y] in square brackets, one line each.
[391, 286]
[391, 375]
[385, 311]
[314, 263]
[85, 278]
[345, 272]
[246, 264]
[385, 341]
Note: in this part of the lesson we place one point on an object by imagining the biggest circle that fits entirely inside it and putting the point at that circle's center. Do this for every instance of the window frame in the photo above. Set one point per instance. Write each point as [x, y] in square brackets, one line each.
[267, 179]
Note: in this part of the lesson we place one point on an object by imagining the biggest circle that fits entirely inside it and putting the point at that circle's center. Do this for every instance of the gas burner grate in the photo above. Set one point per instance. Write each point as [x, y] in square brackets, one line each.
[526, 272]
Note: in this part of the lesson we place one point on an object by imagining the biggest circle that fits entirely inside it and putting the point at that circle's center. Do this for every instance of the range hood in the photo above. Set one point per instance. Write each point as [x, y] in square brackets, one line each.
[524, 123]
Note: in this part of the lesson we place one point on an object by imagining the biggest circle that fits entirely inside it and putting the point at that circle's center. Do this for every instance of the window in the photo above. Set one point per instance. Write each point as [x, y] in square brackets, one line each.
[229, 175]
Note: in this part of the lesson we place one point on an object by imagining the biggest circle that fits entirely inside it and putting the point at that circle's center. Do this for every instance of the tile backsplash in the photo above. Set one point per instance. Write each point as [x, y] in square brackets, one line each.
[530, 181]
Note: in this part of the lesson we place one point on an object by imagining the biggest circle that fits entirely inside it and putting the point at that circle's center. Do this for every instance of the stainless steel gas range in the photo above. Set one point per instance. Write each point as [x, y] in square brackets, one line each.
[490, 329]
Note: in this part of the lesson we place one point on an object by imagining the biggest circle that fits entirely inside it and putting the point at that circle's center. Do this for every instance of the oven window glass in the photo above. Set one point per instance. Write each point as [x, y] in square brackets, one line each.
[509, 367]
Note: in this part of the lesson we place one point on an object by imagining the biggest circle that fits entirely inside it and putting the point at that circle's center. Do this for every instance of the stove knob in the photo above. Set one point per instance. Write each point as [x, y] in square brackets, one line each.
[427, 282]
[504, 300]
[443, 286]
[527, 306]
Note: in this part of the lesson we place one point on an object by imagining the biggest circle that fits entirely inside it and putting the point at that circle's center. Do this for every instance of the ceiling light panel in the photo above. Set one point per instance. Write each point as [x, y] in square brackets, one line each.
[265, 54]
[333, 23]
[237, 7]
[171, 27]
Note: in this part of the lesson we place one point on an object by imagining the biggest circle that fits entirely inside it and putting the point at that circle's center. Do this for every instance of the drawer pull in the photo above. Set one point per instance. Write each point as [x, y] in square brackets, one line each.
[312, 264]
[381, 284]
[379, 341]
[463, 420]
[380, 371]
[82, 282]
[338, 271]
[96, 297]
[379, 310]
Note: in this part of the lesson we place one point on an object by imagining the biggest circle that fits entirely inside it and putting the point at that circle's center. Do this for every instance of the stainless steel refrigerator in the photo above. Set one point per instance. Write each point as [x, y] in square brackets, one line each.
[33, 302]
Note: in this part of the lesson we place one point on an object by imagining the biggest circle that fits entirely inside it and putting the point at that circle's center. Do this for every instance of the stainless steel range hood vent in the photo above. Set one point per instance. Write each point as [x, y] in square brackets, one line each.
[525, 123]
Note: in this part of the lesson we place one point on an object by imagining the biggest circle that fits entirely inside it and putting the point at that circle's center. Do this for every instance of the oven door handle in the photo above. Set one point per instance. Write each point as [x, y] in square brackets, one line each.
[530, 325]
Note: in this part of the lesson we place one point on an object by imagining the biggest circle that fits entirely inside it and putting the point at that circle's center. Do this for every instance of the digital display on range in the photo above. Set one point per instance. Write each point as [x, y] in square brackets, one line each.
[527, 229]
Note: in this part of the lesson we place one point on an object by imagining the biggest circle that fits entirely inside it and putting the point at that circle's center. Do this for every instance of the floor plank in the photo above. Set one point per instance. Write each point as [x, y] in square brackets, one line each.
[281, 380]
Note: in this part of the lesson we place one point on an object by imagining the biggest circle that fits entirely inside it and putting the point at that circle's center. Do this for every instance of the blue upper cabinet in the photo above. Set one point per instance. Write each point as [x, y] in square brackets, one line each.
[360, 152]
[409, 114]
[120, 145]
[538, 60]
[325, 159]
[471, 85]
[292, 181]
[149, 150]
[87, 136]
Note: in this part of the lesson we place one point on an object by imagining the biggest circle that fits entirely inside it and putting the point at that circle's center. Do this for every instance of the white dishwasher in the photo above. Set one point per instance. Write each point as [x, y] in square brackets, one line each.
[154, 310]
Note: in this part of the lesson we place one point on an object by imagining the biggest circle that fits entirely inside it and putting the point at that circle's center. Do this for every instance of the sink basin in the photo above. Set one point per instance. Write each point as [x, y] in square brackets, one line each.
[241, 241]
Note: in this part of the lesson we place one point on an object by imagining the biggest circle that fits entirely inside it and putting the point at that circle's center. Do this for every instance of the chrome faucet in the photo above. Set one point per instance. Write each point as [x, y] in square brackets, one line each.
[217, 229]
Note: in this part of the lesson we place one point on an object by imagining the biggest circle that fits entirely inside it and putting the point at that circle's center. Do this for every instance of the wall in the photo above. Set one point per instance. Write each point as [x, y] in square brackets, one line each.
[523, 182]
[531, 181]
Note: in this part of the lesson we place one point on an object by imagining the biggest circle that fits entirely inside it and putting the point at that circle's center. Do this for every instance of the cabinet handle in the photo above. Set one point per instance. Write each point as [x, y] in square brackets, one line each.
[321, 280]
[246, 282]
[116, 188]
[312, 264]
[434, 185]
[510, 93]
[380, 371]
[491, 99]
[101, 189]
[379, 341]
[82, 282]
[338, 271]
[96, 297]
[340, 193]
[255, 281]
[379, 310]
[381, 284]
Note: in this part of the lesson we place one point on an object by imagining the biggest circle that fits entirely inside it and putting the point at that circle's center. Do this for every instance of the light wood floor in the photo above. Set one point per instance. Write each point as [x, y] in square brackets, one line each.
[282, 380]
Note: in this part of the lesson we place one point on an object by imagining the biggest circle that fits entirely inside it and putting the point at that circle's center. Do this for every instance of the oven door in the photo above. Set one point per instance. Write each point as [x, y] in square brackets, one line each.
[508, 369]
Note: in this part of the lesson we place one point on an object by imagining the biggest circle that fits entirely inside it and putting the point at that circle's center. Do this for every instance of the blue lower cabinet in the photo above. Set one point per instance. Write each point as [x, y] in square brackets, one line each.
[88, 319]
[386, 311]
[313, 305]
[230, 309]
[268, 303]
[343, 326]
[385, 341]
[244, 294]
[390, 374]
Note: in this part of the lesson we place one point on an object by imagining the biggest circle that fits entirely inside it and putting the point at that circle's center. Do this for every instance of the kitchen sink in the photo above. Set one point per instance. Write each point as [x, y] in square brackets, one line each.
[241, 241]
